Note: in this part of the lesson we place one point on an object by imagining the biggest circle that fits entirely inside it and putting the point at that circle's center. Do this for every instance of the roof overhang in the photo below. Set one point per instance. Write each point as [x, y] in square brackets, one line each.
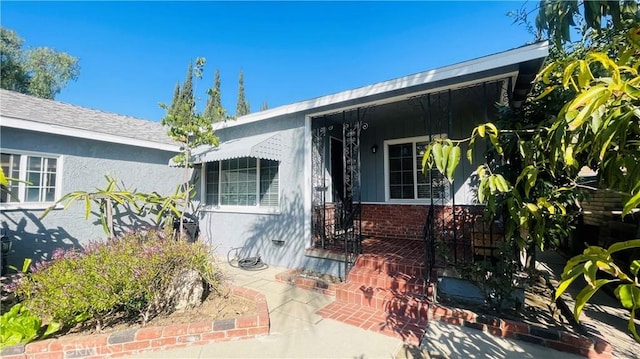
[497, 66]
[85, 134]
[265, 146]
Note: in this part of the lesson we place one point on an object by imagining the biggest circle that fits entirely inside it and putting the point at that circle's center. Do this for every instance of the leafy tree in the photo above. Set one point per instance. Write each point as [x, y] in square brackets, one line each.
[213, 109]
[188, 127]
[599, 127]
[41, 71]
[242, 107]
[14, 77]
[264, 106]
[583, 112]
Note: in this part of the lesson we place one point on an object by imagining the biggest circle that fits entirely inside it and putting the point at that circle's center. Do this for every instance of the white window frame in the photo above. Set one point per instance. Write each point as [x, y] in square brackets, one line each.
[239, 209]
[22, 175]
[387, 180]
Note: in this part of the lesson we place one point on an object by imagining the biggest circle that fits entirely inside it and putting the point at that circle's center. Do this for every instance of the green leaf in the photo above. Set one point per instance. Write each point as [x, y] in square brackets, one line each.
[568, 73]
[436, 152]
[544, 93]
[481, 130]
[425, 160]
[629, 295]
[546, 73]
[3, 179]
[26, 264]
[495, 143]
[585, 294]
[568, 157]
[619, 246]
[568, 276]
[532, 208]
[87, 203]
[584, 75]
[631, 203]
[587, 109]
[492, 184]
[481, 189]
[492, 128]
[446, 149]
[53, 327]
[590, 270]
[452, 162]
[635, 266]
[501, 184]
[587, 96]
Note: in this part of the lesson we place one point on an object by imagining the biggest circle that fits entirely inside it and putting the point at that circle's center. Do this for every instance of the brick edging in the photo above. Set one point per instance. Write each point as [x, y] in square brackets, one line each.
[588, 346]
[135, 341]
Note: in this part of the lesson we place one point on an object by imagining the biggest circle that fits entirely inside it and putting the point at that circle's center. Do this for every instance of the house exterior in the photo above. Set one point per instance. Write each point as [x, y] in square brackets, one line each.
[61, 148]
[293, 182]
[299, 185]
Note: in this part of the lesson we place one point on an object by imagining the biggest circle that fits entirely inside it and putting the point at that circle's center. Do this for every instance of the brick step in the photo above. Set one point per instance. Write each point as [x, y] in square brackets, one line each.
[405, 329]
[410, 306]
[398, 282]
[389, 264]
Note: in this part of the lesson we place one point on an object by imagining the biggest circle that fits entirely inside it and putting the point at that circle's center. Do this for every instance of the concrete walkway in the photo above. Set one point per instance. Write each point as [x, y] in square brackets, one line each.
[297, 332]
[602, 314]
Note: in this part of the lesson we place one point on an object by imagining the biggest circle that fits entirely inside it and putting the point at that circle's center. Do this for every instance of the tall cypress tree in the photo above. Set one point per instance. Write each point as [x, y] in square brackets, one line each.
[186, 101]
[264, 106]
[174, 100]
[214, 110]
[242, 107]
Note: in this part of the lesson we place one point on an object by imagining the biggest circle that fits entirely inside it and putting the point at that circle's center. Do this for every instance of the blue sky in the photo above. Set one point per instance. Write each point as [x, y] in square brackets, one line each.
[133, 53]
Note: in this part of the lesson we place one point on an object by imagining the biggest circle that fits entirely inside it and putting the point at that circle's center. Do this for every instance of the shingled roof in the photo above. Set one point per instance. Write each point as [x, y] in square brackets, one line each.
[48, 115]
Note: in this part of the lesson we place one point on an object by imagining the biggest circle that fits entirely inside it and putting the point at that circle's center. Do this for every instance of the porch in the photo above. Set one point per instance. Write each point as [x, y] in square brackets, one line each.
[426, 236]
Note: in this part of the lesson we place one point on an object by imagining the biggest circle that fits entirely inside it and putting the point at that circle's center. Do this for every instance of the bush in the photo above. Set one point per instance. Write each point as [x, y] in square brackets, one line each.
[122, 275]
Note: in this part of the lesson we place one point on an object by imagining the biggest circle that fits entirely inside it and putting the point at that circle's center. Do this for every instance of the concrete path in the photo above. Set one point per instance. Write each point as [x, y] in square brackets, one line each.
[297, 332]
[602, 313]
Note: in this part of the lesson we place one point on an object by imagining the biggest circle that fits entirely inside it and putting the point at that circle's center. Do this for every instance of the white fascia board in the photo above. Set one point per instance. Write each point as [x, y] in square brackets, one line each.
[388, 100]
[502, 59]
[80, 133]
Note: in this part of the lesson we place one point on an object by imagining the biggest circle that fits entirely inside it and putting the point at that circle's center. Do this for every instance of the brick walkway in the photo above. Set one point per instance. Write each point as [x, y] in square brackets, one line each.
[408, 330]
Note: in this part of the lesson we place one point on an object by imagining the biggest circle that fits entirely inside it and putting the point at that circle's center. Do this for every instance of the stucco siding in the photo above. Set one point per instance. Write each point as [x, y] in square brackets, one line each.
[255, 231]
[84, 166]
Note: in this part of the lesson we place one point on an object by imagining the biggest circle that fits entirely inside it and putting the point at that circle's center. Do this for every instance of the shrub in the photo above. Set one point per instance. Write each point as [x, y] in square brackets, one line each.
[122, 275]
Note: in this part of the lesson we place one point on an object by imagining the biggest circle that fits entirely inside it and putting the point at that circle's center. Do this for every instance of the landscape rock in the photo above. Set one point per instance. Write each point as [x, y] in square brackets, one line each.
[186, 291]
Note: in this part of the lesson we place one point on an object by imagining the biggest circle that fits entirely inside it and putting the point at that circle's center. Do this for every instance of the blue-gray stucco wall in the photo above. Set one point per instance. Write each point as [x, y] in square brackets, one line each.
[255, 232]
[84, 166]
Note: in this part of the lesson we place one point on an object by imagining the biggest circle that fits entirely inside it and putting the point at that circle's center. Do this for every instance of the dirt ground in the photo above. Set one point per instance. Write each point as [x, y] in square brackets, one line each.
[214, 307]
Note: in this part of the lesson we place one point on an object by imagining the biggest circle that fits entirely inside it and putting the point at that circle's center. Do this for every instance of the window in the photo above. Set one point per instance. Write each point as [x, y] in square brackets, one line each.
[405, 180]
[38, 178]
[245, 182]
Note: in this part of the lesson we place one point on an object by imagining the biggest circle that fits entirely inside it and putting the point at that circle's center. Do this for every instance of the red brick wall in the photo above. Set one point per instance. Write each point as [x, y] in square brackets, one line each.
[407, 220]
[394, 220]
